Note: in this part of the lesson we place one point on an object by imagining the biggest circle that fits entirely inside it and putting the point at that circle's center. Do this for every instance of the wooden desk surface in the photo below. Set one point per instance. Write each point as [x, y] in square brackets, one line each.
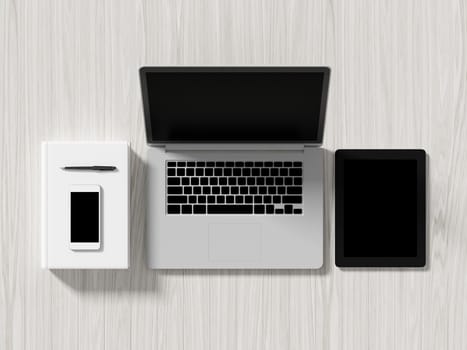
[68, 71]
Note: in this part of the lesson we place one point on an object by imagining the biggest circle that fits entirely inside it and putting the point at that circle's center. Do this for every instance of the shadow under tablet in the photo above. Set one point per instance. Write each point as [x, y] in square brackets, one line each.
[380, 208]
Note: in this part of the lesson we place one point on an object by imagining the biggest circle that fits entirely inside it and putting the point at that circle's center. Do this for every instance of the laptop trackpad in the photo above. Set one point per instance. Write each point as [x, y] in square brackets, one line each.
[234, 242]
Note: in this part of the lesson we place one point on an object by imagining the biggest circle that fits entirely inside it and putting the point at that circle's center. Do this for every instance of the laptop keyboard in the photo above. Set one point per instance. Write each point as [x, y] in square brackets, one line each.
[213, 187]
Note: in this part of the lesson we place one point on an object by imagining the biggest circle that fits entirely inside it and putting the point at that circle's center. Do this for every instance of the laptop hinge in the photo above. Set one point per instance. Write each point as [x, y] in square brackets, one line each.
[234, 147]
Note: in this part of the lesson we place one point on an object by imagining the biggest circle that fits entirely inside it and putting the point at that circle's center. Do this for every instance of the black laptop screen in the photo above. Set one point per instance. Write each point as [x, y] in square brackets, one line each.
[234, 106]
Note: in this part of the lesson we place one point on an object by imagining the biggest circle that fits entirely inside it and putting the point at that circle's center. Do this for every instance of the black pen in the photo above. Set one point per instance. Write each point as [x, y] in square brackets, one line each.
[91, 168]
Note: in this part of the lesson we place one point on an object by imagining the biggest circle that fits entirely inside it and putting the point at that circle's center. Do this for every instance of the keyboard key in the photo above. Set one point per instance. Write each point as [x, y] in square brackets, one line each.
[250, 181]
[220, 164]
[297, 211]
[255, 172]
[186, 209]
[187, 190]
[220, 199]
[200, 164]
[170, 172]
[258, 199]
[190, 172]
[259, 209]
[192, 199]
[206, 190]
[248, 164]
[281, 190]
[248, 199]
[173, 181]
[297, 181]
[174, 190]
[232, 181]
[234, 190]
[229, 199]
[239, 164]
[230, 209]
[208, 172]
[258, 164]
[223, 181]
[199, 209]
[279, 211]
[271, 190]
[197, 190]
[180, 172]
[288, 181]
[253, 190]
[295, 172]
[283, 172]
[176, 199]
[185, 181]
[204, 181]
[294, 190]
[210, 164]
[262, 190]
[260, 181]
[288, 164]
[227, 172]
[181, 164]
[237, 172]
[201, 199]
[274, 172]
[194, 181]
[225, 190]
[291, 199]
[215, 190]
[267, 199]
[244, 190]
[246, 172]
[288, 209]
[171, 164]
[265, 172]
[229, 164]
[239, 199]
[297, 164]
[269, 209]
[173, 209]
[268, 164]
[213, 181]
[190, 164]
[241, 181]
[199, 172]
[269, 181]
[276, 199]
[277, 164]
[211, 199]
[279, 181]
[218, 171]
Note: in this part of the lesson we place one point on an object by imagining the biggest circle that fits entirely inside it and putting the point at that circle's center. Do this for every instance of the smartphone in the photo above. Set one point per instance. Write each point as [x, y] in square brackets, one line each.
[85, 217]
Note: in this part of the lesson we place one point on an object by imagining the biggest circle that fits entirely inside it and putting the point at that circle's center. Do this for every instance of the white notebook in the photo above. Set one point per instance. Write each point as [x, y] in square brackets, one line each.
[114, 220]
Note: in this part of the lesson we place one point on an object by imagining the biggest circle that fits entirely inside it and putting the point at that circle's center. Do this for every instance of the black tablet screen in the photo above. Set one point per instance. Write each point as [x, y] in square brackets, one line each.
[380, 208]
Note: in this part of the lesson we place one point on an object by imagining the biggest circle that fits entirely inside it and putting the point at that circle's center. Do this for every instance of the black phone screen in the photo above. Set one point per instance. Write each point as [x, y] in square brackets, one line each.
[84, 217]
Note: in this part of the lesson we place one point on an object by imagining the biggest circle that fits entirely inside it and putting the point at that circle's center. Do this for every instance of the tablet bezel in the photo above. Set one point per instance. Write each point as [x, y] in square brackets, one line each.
[375, 154]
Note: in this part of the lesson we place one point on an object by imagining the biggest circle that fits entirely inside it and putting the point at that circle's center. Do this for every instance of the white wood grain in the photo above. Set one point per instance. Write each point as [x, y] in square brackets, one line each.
[68, 71]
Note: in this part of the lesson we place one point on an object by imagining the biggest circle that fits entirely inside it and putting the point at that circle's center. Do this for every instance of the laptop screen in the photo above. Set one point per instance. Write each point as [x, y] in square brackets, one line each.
[230, 105]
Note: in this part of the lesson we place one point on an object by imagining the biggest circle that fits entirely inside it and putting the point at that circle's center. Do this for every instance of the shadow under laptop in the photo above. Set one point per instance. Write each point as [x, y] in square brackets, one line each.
[328, 203]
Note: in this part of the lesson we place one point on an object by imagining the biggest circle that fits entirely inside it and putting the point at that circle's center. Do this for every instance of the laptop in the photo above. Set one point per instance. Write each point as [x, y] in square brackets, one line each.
[234, 166]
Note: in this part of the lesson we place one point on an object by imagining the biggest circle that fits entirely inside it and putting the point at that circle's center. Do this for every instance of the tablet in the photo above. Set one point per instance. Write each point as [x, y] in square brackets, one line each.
[380, 208]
